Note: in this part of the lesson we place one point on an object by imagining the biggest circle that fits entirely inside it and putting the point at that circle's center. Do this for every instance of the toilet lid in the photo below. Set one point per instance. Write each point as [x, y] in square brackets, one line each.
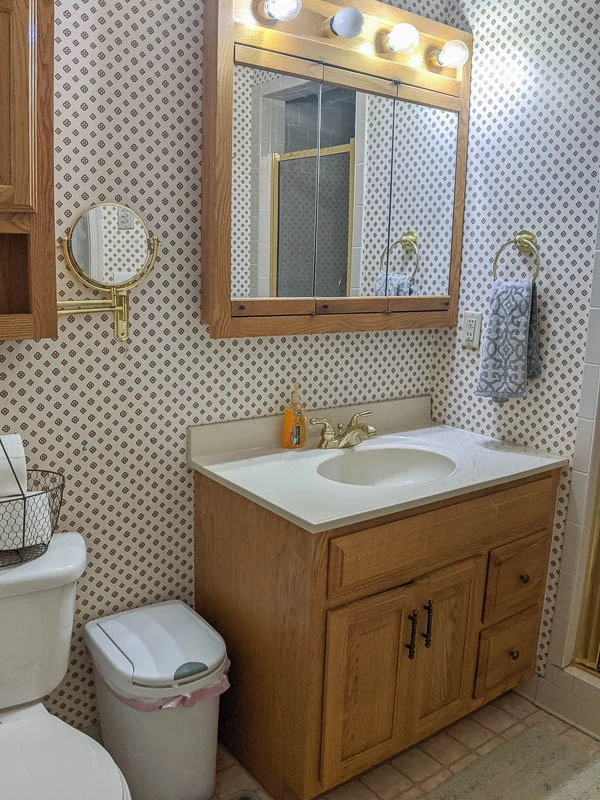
[40, 756]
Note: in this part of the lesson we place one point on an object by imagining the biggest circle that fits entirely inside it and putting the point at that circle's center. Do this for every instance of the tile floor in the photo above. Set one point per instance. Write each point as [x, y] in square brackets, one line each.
[418, 771]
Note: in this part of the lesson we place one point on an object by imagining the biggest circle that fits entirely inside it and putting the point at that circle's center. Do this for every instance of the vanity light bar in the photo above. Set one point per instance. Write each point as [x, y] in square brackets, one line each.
[348, 23]
[281, 10]
[454, 54]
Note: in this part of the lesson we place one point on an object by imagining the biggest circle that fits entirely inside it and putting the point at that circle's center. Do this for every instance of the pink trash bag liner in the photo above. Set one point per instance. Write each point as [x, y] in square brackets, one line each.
[181, 700]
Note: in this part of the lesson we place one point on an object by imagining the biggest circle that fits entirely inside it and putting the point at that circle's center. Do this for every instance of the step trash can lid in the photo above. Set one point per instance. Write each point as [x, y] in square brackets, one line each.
[157, 647]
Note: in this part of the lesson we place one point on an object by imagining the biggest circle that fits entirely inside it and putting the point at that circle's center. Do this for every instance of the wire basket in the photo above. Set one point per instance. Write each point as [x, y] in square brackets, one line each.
[28, 520]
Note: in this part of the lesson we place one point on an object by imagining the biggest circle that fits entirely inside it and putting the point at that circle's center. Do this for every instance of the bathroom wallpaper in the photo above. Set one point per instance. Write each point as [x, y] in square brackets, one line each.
[113, 416]
[422, 191]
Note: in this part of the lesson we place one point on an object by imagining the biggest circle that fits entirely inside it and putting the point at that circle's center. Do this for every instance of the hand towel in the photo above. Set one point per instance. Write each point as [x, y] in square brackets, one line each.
[397, 284]
[12, 446]
[510, 354]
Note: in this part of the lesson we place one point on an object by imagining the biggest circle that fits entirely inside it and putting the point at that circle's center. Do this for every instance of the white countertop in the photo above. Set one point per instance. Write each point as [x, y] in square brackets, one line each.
[287, 481]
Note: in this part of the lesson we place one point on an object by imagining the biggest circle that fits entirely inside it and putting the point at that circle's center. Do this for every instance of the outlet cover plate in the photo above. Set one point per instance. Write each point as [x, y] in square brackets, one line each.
[471, 330]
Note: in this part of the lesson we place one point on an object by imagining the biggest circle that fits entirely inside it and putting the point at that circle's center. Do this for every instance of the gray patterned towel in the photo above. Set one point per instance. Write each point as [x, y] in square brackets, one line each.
[510, 354]
[395, 284]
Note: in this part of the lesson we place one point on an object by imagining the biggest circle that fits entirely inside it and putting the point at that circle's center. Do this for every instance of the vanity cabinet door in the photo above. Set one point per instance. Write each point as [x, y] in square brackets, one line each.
[16, 120]
[368, 680]
[450, 607]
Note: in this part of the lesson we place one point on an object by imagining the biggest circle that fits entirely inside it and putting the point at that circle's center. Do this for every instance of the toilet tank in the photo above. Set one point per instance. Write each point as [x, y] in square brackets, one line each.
[37, 603]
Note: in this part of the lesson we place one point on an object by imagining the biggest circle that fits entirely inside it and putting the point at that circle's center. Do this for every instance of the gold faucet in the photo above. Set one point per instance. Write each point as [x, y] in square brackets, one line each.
[345, 438]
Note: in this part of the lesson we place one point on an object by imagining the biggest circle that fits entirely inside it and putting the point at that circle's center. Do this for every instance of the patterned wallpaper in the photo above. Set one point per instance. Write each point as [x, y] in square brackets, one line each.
[113, 416]
[423, 192]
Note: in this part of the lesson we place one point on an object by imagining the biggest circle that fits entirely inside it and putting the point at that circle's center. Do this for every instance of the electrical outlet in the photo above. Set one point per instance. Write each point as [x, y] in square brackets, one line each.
[471, 330]
[125, 220]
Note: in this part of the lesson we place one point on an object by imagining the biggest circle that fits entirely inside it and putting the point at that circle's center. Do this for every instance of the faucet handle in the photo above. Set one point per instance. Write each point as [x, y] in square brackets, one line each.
[327, 432]
[355, 417]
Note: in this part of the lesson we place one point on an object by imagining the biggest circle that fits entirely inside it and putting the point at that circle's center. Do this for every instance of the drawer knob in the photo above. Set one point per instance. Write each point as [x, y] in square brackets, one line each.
[514, 654]
[524, 579]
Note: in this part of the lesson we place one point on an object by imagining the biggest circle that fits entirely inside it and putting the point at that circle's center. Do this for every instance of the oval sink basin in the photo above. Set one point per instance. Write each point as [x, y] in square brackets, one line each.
[397, 466]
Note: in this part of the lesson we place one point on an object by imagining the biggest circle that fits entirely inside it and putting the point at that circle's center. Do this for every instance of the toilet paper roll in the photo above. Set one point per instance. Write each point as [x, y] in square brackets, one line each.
[38, 523]
[13, 444]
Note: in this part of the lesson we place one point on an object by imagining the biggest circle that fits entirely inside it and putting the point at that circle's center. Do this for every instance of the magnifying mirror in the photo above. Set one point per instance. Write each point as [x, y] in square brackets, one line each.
[109, 249]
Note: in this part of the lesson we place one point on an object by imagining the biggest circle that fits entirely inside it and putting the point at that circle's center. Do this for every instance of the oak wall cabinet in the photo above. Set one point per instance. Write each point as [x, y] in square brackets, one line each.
[351, 645]
[334, 172]
[27, 247]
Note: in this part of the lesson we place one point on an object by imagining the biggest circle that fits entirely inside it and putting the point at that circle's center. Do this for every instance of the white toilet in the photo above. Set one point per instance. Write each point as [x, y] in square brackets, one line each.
[40, 756]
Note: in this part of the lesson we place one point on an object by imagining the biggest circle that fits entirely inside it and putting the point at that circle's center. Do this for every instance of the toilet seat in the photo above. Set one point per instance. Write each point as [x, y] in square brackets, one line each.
[41, 756]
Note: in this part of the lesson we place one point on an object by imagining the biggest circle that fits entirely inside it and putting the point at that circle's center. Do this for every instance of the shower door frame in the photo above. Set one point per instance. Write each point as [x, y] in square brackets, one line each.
[323, 152]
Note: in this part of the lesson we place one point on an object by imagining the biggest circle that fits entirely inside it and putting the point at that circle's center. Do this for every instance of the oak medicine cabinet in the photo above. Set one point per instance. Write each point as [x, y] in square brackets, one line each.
[333, 172]
[27, 245]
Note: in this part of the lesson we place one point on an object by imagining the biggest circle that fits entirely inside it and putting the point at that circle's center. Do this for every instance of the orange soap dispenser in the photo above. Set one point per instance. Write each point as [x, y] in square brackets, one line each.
[294, 423]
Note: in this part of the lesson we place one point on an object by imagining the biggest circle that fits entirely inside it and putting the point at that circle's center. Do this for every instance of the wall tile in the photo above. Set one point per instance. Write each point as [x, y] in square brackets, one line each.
[585, 457]
[571, 546]
[587, 687]
[558, 641]
[596, 282]
[554, 699]
[589, 392]
[581, 499]
[592, 353]
[559, 677]
[564, 595]
[588, 718]
[528, 689]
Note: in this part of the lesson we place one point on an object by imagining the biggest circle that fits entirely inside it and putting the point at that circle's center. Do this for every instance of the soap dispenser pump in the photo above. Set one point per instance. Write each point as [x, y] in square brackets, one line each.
[294, 422]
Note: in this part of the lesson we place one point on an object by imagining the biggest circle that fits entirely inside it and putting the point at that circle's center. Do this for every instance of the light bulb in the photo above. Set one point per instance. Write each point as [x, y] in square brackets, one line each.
[283, 10]
[453, 54]
[404, 38]
[347, 23]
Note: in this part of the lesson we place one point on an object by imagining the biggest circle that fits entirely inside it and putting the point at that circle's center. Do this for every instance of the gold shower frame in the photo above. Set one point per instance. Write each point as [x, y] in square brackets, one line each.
[276, 159]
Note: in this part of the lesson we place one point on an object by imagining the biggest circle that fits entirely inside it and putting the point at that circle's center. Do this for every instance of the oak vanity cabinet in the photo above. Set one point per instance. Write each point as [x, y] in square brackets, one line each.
[350, 645]
[27, 256]
[399, 665]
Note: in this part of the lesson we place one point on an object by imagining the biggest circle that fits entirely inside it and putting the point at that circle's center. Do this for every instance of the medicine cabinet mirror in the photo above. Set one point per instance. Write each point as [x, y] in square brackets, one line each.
[343, 206]
[109, 249]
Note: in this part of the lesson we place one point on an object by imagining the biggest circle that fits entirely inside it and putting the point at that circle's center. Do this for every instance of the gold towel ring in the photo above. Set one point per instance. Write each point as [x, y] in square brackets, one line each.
[409, 242]
[526, 242]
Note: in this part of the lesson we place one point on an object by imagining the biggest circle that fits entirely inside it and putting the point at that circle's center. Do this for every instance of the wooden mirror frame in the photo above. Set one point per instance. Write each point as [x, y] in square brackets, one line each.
[235, 32]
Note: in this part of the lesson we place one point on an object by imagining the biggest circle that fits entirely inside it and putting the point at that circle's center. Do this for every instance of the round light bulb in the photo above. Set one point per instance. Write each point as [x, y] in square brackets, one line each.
[347, 23]
[282, 10]
[453, 54]
[404, 38]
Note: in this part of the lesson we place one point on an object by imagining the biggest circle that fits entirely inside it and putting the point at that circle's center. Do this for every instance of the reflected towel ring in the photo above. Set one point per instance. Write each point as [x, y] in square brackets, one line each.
[526, 242]
[409, 242]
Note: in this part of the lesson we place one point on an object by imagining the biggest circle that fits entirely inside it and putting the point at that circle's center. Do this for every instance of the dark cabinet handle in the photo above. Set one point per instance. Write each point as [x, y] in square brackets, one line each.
[412, 645]
[427, 635]
[514, 654]
[242, 306]
[524, 579]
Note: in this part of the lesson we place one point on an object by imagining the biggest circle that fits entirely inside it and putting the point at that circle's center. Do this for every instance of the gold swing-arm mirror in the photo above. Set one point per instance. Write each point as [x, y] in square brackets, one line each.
[109, 249]
[270, 231]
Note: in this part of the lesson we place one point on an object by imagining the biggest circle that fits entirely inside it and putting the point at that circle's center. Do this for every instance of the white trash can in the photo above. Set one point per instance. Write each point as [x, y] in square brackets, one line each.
[159, 672]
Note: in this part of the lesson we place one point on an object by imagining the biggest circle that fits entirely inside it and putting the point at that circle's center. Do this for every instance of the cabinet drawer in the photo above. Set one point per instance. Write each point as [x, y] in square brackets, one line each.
[516, 576]
[507, 652]
[387, 555]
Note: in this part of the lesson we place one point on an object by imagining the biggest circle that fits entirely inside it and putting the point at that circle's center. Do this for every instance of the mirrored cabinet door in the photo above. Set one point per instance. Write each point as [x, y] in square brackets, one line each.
[355, 169]
[422, 202]
[274, 184]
